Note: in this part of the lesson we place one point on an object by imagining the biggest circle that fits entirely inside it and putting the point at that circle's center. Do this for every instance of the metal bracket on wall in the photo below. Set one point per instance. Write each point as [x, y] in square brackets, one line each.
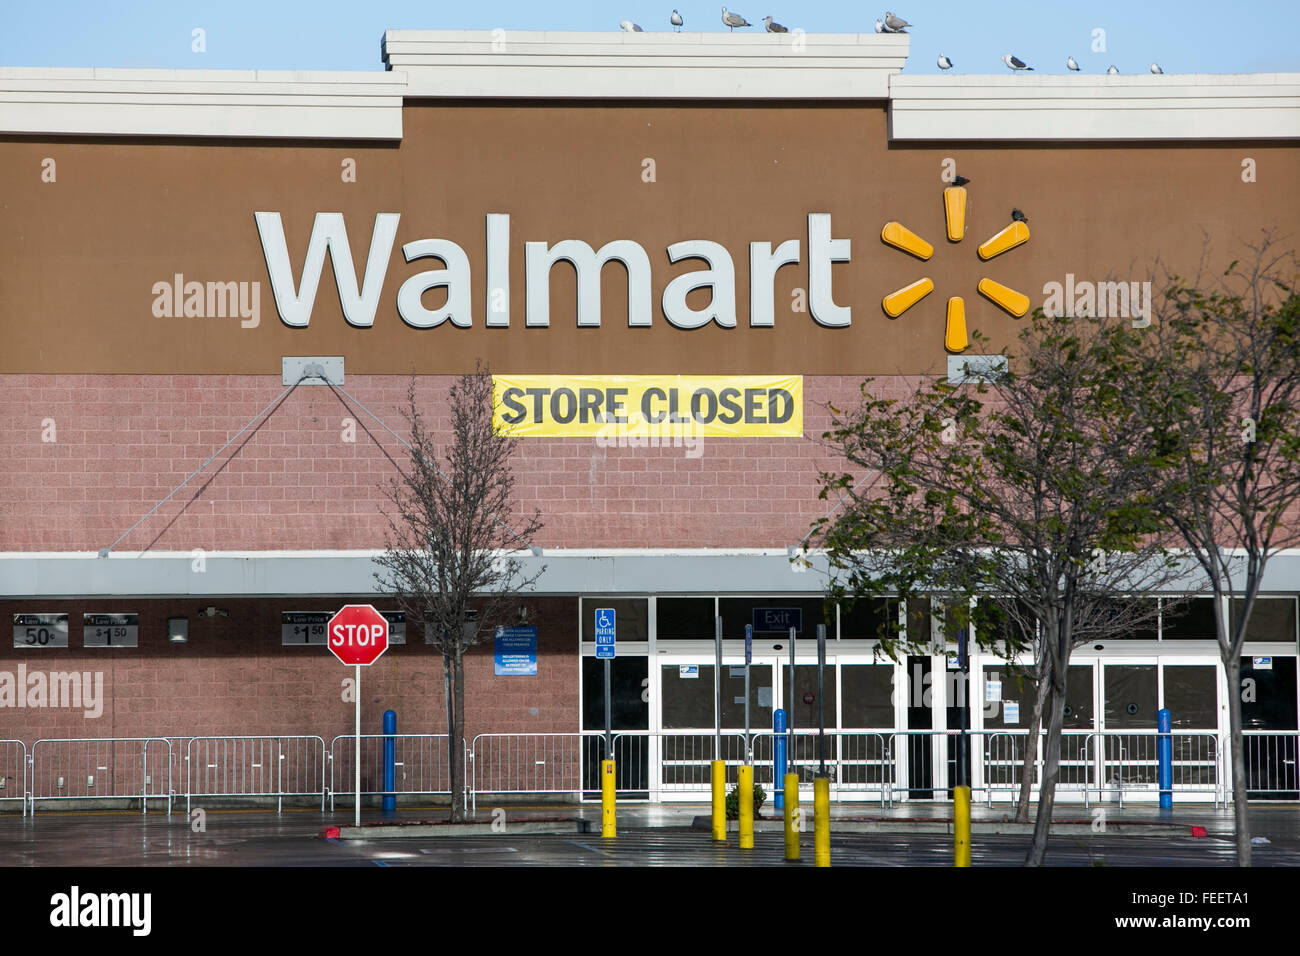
[318, 370]
[967, 369]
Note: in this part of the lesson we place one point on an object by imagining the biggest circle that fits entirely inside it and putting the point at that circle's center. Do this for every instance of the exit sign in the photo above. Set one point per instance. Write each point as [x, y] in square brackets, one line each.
[777, 620]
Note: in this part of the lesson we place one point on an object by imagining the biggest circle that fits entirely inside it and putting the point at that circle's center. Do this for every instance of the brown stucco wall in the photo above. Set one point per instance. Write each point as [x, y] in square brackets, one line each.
[79, 256]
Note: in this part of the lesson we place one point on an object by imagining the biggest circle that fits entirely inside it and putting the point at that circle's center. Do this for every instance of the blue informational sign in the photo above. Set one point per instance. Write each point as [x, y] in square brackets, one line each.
[749, 644]
[773, 620]
[516, 652]
[604, 633]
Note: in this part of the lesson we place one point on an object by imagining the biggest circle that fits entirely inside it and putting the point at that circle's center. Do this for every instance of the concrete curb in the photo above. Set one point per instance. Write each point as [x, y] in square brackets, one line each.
[418, 830]
[987, 827]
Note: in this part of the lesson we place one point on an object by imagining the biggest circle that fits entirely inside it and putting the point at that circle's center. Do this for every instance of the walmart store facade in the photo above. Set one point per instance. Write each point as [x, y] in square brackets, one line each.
[670, 228]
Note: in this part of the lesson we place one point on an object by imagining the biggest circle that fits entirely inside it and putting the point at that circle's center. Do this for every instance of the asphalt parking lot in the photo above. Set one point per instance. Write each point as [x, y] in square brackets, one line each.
[647, 837]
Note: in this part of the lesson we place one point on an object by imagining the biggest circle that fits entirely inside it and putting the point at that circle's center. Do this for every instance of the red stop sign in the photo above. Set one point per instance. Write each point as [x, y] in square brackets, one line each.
[357, 634]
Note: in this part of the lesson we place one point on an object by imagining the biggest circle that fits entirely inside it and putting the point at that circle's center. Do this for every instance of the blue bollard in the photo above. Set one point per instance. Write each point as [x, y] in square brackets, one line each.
[1165, 759]
[778, 758]
[390, 798]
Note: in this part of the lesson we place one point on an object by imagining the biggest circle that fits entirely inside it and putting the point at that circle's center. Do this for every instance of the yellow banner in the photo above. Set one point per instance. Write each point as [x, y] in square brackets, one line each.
[649, 406]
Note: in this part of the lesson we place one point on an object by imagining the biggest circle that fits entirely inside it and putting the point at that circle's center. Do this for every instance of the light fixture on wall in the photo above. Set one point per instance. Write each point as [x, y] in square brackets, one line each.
[178, 630]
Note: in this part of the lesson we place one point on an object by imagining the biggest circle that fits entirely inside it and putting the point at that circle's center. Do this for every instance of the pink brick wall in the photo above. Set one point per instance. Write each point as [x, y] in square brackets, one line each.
[123, 442]
[234, 677]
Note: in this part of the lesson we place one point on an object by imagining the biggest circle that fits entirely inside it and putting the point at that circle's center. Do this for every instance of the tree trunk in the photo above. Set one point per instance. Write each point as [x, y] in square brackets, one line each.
[1051, 772]
[1236, 745]
[457, 742]
[1031, 749]
[451, 726]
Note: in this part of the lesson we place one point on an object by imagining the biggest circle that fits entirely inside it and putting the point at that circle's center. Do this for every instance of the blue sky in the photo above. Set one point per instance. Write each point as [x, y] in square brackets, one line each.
[1254, 36]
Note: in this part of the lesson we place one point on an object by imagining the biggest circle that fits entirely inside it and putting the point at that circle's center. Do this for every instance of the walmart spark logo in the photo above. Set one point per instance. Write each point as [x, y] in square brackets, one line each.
[899, 236]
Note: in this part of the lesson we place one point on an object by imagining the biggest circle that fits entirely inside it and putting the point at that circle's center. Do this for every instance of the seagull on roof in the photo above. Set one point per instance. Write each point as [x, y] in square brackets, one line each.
[880, 26]
[1155, 68]
[1019, 216]
[1015, 63]
[733, 20]
[773, 27]
[676, 20]
[944, 62]
[1071, 64]
[628, 26]
[895, 24]
[1112, 69]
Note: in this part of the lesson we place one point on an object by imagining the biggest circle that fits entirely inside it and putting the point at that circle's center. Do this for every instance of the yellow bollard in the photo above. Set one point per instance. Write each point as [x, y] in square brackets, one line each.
[607, 802]
[792, 816]
[822, 821]
[746, 788]
[719, 800]
[961, 826]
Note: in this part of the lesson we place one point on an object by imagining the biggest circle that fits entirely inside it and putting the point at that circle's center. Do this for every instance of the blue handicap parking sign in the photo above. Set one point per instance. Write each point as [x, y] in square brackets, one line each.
[604, 632]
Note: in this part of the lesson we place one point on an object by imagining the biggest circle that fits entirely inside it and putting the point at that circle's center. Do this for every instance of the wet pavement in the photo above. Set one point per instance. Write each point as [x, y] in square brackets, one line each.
[648, 836]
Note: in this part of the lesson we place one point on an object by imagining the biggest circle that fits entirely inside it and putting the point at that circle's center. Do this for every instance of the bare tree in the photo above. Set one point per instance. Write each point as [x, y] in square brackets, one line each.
[454, 541]
[1216, 381]
[1022, 494]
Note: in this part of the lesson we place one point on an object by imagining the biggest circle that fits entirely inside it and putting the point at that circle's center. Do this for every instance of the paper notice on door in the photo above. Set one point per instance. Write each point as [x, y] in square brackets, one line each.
[1011, 711]
[992, 691]
[765, 697]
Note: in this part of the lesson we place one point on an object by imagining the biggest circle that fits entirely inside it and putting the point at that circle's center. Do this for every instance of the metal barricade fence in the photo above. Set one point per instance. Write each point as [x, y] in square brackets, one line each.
[1271, 764]
[180, 752]
[103, 768]
[534, 763]
[855, 760]
[1004, 756]
[1128, 762]
[685, 760]
[914, 750]
[13, 772]
[255, 766]
[420, 765]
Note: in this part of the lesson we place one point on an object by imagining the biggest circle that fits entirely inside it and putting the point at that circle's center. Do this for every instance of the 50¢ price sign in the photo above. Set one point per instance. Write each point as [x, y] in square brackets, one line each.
[40, 630]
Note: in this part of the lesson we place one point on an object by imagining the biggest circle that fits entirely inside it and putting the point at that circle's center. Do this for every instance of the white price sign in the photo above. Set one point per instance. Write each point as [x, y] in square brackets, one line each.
[110, 630]
[396, 626]
[303, 627]
[40, 630]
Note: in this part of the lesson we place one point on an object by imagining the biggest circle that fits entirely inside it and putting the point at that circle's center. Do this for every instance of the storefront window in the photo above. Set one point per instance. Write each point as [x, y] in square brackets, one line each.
[1191, 696]
[760, 697]
[687, 695]
[737, 612]
[631, 618]
[684, 619]
[1130, 696]
[868, 696]
[864, 620]
[1272, 619]
[1187, 621]
[1078, 697]
[1126, 619]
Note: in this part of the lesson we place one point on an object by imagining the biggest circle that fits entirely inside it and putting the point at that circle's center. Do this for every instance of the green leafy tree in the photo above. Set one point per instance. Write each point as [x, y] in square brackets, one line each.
[1017, 497]
[1215, 381]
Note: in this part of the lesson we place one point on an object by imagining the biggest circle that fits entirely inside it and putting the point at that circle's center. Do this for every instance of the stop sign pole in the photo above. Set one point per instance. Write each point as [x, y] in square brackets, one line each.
[358, 635]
